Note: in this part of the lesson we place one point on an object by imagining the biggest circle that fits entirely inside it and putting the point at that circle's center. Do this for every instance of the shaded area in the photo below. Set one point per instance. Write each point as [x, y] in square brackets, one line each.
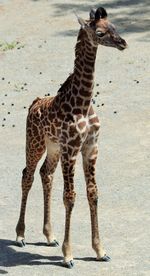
[71, 32]
[3, 271]
[10, 257]
[129, 21]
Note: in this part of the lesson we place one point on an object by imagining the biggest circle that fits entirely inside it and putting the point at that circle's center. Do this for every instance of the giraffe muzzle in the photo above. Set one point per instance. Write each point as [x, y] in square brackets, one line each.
[122, 45]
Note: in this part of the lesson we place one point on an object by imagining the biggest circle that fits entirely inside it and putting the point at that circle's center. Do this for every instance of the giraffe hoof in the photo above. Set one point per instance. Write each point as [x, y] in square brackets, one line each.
[54, 243]
[105, 258]
[69, 264]
[21, 243]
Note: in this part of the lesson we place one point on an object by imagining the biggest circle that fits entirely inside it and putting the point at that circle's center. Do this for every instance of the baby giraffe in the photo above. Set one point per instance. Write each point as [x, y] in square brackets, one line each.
[65, 125]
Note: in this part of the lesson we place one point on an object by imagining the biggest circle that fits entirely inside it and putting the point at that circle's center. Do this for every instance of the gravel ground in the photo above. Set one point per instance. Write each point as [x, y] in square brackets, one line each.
[36, 59]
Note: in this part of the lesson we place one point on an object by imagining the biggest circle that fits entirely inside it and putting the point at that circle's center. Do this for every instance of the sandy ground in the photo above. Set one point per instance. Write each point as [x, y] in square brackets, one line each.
[37, 65]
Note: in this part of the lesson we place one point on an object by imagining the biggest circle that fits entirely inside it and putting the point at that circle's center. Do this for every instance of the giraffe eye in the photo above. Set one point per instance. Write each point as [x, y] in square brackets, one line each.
[100, 34]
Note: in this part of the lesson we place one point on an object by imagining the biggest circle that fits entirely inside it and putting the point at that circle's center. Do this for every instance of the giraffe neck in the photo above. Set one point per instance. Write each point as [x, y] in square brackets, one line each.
[75, 94]
[83, 74]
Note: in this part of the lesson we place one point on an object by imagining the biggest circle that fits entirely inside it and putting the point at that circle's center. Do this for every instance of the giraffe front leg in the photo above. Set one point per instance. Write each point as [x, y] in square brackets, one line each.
[89, 153]
[68, 165]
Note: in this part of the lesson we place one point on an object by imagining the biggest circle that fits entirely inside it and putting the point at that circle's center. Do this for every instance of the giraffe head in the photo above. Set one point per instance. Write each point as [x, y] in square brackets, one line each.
[100, 31]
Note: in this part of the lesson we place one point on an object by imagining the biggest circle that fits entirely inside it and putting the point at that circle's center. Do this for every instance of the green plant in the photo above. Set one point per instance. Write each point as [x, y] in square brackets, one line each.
[5, 46]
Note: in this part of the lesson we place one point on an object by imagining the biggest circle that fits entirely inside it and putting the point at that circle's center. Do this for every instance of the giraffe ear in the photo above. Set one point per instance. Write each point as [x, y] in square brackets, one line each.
[92, 14]
[82, 22]
[100, 13]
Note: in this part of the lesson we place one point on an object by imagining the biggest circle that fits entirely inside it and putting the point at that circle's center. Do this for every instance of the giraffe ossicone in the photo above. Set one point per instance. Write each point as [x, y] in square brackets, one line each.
[65, 125]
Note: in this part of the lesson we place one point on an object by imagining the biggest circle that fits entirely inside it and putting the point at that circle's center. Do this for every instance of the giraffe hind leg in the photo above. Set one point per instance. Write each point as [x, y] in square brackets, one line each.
[47, 170]
[32, 158]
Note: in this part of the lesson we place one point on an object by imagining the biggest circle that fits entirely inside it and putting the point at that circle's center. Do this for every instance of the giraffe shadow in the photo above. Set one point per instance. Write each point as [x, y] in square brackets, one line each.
[10, 257]
[86, 259]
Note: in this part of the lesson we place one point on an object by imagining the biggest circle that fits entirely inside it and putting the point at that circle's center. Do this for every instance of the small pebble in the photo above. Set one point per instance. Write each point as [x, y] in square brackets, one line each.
[24, 107]
[18, 48]
[136, 81]
[12, 104]
[13, 125]
[3, 78]
[110, 81]
[98, 105]
[115, 112]
[9, 82]
[4, 119]
[48, 94]
[5, 95]
[102, 104]
[8, 112]
[97, 92]
[22, 87]
[3, 103]
[3, 125]
[40, 73]
[97, 84]
[25, 84]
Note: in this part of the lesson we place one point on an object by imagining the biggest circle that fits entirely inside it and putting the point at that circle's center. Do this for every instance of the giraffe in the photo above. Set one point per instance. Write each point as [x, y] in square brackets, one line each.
[63, 126]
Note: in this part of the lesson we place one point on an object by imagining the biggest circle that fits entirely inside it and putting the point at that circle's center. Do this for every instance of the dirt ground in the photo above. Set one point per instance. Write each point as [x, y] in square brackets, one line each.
[37, 40]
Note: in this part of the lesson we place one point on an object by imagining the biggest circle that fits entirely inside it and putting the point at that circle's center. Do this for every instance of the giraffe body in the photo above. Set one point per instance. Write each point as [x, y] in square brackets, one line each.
[65, 125]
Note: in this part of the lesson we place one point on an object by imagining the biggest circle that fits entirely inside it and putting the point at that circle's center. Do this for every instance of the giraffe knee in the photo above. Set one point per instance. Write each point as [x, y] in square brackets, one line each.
[27, 179]
[92, 195]
[69, 198]
[46, 176]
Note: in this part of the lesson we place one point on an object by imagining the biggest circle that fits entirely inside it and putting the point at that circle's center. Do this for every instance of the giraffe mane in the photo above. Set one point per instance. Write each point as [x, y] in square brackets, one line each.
[65, 85]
